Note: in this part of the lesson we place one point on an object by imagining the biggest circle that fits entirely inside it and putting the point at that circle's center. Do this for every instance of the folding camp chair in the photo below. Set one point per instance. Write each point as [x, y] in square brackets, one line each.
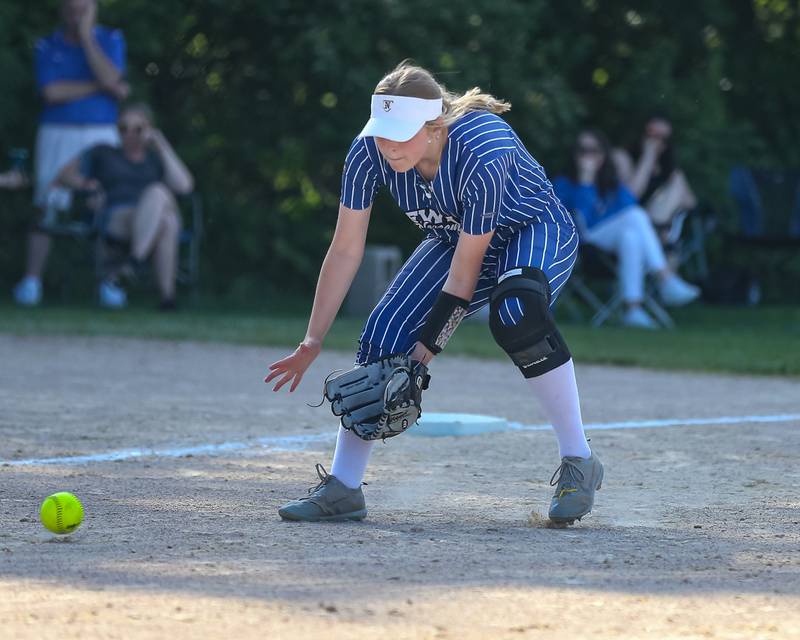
[112, 252]
[82, 223]
[685, 238]
[594, 281]
[768, 232]
[769, 208]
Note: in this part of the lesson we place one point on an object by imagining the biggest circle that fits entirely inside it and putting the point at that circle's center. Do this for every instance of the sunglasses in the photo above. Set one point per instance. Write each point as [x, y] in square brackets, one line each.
[125, 128]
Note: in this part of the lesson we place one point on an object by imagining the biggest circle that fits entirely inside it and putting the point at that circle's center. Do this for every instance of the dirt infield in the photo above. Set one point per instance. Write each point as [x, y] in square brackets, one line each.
[696, 533]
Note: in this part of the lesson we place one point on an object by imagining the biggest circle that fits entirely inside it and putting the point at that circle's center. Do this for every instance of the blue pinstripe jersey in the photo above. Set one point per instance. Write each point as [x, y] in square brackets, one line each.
[486, 181]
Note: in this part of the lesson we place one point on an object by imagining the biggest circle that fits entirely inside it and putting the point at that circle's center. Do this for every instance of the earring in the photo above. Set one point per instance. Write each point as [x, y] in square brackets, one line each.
[430, 140]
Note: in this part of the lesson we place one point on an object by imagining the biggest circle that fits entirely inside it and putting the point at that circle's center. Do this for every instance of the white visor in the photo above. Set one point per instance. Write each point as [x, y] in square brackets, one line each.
[399, 118]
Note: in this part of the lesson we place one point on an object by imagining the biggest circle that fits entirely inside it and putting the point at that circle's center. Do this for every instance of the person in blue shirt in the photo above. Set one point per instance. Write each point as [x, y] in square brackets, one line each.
[80, 70]
[494, 233]
[609, 216]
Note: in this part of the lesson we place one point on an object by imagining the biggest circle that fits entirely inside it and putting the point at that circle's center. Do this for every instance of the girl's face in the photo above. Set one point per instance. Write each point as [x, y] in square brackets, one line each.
[658, 128]
[72, 11]
[134, 130]
[589, 147]
[404, 156]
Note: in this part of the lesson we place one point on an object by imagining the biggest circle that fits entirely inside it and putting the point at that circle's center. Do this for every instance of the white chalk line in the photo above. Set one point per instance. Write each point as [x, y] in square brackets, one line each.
[301, 442]
[676, 422]
[277, 443]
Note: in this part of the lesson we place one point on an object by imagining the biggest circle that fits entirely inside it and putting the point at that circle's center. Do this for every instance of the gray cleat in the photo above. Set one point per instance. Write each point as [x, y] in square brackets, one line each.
[330, 500]
[575, 481]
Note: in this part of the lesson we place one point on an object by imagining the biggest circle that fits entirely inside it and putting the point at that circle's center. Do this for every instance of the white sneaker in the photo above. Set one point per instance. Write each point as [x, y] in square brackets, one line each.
[111, 296]
[638, 318]
[28, 292]
[676, 292]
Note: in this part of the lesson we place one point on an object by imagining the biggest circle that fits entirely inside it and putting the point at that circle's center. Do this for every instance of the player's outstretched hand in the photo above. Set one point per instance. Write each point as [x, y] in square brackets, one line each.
[294, 366]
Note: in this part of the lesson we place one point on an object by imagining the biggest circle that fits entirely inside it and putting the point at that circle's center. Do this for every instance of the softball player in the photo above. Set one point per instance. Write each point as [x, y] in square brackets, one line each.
[495, 234]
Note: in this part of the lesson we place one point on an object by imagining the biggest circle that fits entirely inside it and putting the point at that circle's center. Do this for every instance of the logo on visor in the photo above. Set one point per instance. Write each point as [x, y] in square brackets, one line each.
[387, 105]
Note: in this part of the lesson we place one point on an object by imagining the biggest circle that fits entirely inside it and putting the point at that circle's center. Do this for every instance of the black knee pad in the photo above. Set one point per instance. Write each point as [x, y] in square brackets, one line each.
[534, 343]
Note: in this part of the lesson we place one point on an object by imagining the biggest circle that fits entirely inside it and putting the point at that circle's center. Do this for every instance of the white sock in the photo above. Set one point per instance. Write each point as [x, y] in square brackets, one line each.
[350, 458]
[557, 392]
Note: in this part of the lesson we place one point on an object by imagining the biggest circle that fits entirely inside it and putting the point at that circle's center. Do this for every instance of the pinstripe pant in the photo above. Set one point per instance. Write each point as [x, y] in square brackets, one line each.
[393, 325]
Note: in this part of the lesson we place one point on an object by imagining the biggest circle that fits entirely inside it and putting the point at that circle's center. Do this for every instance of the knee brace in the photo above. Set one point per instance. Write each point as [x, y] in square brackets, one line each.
[532, 341]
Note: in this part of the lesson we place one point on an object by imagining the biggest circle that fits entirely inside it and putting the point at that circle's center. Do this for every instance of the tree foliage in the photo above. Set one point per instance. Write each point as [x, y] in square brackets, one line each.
[263, 98]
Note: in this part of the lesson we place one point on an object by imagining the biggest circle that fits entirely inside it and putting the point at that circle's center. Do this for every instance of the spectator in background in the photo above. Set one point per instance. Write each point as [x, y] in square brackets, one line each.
[649, 169]
[137, 181]
[79, 73]
[608, 216]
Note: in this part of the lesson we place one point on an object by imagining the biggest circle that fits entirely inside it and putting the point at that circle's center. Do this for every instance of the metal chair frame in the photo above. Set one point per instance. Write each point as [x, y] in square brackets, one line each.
[83, 223]
[613, 306]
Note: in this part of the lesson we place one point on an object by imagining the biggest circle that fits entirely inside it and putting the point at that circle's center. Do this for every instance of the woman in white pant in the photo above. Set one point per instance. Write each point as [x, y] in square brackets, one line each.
[609, 217]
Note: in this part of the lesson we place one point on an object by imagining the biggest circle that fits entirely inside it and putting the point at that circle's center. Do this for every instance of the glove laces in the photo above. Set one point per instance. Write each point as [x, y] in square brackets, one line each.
[324, 382]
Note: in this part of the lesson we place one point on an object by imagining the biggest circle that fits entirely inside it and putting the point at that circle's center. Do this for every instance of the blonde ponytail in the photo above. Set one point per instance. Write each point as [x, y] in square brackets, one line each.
[410, 80]
[456, 105]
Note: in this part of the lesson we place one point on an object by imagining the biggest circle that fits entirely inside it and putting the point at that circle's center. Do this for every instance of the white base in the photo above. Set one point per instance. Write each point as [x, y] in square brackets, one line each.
[436, 425]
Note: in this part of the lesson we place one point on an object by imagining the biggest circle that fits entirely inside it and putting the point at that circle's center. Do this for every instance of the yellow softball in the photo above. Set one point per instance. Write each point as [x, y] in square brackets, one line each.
[61, 513]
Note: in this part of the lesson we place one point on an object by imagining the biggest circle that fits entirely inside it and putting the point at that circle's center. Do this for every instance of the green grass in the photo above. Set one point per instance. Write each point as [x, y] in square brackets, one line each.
[761, 340]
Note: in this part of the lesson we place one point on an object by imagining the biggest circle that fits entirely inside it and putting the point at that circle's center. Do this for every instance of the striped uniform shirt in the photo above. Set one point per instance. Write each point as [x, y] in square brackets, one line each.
[486, 181]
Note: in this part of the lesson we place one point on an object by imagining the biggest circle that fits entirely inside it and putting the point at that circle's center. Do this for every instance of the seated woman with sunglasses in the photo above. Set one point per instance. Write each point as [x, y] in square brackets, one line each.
[137, 181]
[608, 216]
[649, 168]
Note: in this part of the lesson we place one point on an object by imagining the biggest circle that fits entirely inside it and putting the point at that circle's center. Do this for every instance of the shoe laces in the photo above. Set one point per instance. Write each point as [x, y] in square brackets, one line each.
[567, 473]
[324, 477]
